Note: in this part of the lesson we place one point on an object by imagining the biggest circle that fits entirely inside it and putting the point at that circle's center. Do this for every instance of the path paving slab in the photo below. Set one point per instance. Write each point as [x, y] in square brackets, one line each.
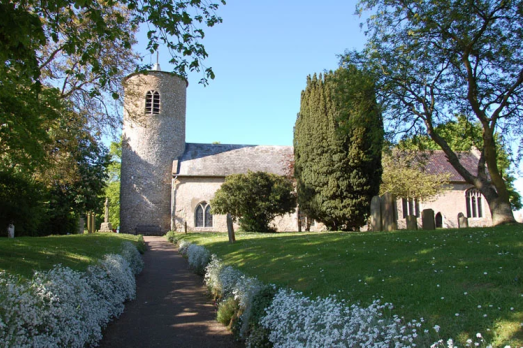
[171, 309]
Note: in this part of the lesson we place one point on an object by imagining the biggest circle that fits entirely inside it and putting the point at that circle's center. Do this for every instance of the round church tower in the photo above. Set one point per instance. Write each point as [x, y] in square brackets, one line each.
[153, 136]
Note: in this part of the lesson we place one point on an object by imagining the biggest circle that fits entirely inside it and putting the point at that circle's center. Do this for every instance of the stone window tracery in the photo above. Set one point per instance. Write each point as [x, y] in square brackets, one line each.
[152, 103]
[410, 207]
[202, 215]
[474, 203]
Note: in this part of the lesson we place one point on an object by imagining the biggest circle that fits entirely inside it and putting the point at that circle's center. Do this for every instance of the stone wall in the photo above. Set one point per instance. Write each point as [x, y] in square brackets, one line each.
[449, 205]
[189, 192]
[150, 144]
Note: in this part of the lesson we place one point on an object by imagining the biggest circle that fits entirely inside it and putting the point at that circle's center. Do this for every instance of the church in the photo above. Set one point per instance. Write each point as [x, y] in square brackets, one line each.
[167, 184]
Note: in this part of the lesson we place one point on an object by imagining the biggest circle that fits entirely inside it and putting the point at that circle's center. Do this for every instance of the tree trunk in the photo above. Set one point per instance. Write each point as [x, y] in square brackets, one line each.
[500, 208]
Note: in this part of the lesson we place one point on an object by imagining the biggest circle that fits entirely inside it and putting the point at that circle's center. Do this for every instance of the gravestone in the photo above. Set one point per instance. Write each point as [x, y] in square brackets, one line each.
[106, 225]
[463, 221]
[427, 219]
[230, 229]
[388, 212]
[375, 214]
[412, 222]
[11, 231]
[81, 225]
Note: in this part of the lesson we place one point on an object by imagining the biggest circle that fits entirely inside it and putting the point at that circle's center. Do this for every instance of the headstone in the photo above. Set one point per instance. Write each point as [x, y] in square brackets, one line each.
[88, 217]
[463, 221]
[375, 214]
[427, 219]
[412, 222]
[81, 225]
[230, 229]
[11, 231]
[106, 225]
[388, 212]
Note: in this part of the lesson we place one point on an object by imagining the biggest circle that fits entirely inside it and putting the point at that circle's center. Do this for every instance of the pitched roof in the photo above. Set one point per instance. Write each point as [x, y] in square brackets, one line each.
[222, 160]
[437, 163]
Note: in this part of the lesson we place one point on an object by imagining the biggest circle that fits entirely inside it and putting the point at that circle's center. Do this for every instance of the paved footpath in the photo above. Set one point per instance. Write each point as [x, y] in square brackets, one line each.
[171, 309]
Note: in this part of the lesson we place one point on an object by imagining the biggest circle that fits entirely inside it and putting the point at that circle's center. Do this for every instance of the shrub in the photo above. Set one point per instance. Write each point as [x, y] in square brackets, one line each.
[62, 307]
[227, 310]
[198, 258]
[254, 199]
[182, 248]
[171, 237]
[131, 254]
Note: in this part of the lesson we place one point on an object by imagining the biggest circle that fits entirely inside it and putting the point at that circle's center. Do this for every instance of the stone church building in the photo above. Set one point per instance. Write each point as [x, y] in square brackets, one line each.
[167, 184]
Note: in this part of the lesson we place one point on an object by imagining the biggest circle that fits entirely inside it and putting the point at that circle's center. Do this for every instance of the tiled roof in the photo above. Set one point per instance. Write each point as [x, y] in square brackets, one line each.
[437, 163]
[222, 160]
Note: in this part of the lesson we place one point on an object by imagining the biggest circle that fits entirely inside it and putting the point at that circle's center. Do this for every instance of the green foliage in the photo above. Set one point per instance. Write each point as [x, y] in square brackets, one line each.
[171, 237]
[337, 146]
[258, 335]
[429, 274]
[404, 176]
[464, 135]
[433, 61]
[227, 311]
[112, 189]
[254, 199]
[21, 203]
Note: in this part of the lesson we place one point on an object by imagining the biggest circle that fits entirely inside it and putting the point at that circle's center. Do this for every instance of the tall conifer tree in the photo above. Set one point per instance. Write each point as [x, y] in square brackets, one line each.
[337, 146]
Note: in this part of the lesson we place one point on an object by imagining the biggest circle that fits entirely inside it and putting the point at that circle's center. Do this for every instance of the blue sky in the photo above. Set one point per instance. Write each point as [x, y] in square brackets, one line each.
[261, 55]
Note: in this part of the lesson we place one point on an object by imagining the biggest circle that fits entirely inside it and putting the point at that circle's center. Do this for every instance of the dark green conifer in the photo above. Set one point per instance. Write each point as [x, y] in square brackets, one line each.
[337, 146]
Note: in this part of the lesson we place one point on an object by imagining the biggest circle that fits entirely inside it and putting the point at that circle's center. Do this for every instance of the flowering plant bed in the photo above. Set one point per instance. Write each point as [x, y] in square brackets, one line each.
[460, 282]
[62, 307]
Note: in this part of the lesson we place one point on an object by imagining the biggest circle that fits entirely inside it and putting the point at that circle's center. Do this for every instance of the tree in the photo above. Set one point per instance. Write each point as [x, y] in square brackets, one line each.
[463, 135]
[434, 60]
[404, 176]
[337, 146]
[112, 190]
[254, 199]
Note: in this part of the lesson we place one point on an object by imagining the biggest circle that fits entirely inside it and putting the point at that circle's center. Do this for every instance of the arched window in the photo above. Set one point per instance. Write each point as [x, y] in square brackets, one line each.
[152, 103]
[474, 203]
[410, 207]
[202, 215]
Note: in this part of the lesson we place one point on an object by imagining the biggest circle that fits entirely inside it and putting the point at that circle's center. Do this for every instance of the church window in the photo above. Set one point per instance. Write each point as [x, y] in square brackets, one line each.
[202, 215]
[474, 203]
[152, 103]
[410, 207]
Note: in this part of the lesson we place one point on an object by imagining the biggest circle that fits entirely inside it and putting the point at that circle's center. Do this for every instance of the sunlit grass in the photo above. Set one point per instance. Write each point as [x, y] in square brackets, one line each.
[466, 281]
[24, 255]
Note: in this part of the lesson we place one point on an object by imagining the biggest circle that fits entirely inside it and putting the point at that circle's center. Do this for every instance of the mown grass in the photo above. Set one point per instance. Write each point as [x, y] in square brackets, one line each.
[466, 281]
[24, 255]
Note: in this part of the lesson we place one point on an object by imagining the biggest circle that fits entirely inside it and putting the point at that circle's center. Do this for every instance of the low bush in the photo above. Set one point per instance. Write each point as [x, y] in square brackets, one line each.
[271, 317]
[66, 308]
[227, 311]
[198, 258]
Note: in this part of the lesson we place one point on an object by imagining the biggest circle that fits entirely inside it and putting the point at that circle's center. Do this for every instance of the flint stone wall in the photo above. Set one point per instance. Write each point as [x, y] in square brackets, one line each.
[150, 144]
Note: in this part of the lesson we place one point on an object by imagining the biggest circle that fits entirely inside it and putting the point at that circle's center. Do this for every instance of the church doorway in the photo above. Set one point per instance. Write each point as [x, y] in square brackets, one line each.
[439, 220]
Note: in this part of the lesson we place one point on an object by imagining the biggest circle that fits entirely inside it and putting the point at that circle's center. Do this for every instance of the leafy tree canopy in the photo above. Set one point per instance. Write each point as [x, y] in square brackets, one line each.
[404, 176]
[464, 135]
[433, 60]
[254, 199]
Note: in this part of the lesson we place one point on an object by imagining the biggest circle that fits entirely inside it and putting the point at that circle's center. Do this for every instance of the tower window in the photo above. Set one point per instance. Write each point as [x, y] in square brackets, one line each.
[410, 207]
[202, 215]
[474, 204]
[152, 103]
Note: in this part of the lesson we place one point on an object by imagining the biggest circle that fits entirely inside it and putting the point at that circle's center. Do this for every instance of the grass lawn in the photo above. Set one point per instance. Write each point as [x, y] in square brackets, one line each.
[466, 281]
[23, 255]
